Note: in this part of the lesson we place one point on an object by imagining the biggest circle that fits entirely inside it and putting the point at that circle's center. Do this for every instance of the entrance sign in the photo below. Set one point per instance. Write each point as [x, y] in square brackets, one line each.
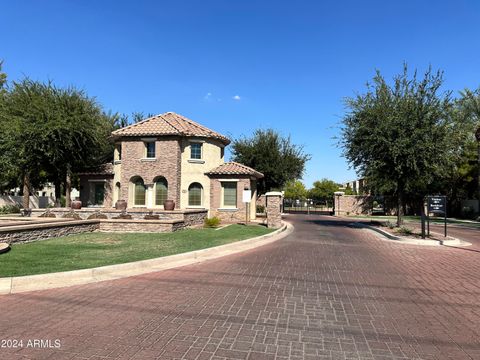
[437, 205]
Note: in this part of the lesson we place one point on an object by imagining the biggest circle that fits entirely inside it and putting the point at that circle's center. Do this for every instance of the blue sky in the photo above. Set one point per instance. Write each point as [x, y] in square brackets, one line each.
[281, 64]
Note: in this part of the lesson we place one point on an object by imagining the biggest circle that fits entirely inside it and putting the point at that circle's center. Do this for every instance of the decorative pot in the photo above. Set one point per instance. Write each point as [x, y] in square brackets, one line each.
[169, 205]
[76, 204]
[121, 205]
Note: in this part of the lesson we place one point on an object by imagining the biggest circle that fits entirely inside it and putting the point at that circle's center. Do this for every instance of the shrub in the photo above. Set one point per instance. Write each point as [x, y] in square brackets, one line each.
[9, 209]
[212, 222]
[468, 213]
[260, 209]
[389, 224]
[404, 230]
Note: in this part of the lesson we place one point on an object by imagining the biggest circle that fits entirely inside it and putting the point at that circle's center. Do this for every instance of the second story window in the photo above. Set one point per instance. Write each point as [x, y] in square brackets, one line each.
[118, 152]
[150, 150]
[196, 151]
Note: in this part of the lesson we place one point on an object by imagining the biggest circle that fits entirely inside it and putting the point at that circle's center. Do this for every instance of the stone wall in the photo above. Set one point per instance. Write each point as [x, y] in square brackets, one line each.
[353, 205]
[274, 210]
[27, 233]
[191, 216]
[229, 215]
[167, 164]
[141, 226]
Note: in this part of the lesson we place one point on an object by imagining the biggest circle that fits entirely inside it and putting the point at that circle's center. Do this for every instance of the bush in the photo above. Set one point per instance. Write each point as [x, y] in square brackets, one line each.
[468, 213]
[260, 209]
[389, 224]
[9, 209]
[212, 222]
[404, 230]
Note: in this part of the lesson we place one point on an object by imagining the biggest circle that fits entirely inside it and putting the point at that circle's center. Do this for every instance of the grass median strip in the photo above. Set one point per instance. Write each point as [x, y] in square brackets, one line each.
[99, 249]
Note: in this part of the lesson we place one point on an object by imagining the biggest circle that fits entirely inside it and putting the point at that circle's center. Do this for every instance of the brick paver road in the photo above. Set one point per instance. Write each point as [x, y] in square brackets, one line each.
[326, 291]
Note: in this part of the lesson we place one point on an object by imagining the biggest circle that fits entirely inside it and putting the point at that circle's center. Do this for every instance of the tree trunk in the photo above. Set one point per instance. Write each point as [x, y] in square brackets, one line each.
[400, 208]
[58, 192]
[26, 190]
[68, 188]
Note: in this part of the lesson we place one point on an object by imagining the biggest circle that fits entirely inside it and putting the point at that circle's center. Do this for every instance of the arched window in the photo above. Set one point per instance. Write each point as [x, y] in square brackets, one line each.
[195, 194]
[139, 192]
[161, 191]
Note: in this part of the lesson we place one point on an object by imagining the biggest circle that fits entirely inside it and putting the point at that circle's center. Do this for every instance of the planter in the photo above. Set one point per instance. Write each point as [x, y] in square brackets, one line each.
[76, 204]
[169, 205]
[121, 205]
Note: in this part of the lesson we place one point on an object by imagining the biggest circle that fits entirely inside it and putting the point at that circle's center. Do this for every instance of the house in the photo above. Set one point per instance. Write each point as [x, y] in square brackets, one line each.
[169, 157]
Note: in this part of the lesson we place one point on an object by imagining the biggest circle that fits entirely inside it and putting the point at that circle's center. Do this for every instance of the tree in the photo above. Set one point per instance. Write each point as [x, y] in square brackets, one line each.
[402, 138]
[49, 130]
[323, 190]
[295, 189]
[272, 154]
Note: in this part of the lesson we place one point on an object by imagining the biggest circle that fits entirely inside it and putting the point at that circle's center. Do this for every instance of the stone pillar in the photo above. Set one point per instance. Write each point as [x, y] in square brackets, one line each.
[337, 206]
[274, 209]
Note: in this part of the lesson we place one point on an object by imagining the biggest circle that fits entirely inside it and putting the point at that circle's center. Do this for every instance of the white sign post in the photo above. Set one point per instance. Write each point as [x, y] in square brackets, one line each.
[247, 198]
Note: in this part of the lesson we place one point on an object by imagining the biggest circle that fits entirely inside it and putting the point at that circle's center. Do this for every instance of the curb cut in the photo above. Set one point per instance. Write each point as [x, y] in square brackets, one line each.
[18, 284]
[413, 241]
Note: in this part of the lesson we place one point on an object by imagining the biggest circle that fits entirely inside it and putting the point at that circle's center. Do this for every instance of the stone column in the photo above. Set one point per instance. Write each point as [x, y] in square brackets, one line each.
[337, 195]
[274, 209]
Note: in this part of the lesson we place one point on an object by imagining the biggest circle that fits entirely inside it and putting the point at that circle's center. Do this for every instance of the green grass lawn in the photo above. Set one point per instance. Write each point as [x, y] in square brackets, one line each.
[98, 249]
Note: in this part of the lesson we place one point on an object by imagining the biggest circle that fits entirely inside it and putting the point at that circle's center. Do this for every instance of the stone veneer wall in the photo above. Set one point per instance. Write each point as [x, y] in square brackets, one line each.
[143, 226]
[27, 233]
[167, 164]
[228, 215]
[190, 216]
[274, 211]
[353, 205]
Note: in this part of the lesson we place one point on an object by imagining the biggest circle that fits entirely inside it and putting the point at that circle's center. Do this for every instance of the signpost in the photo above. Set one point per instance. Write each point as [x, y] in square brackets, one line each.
[437, 205]
[247, 198]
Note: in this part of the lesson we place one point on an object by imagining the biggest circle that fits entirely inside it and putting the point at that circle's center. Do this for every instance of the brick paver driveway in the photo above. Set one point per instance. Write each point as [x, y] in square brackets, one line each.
[326, 291]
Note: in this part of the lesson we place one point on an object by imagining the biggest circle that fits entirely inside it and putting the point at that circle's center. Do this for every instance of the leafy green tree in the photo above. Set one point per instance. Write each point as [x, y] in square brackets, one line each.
[295, 189]
[402, 137]
[54, 131]
[323, 190]
[272, 154]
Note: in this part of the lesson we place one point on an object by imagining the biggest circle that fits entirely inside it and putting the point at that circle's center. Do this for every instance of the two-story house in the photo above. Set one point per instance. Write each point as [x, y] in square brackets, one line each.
[169, 157]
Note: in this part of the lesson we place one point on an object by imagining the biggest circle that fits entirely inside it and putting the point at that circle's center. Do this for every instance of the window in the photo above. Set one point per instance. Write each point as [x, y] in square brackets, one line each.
[161, 191]
[139, 193]
[97, 193]
[150, 150]
[118, 152]
[195, 195]
[229, 194]
[195, 151]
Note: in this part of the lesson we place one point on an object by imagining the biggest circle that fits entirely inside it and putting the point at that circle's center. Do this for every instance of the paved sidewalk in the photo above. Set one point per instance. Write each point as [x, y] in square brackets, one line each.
[326, 291]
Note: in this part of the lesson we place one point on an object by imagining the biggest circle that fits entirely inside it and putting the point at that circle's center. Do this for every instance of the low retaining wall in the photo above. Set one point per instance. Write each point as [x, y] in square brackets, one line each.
[143, 226]
[32, 232]
[191, 217]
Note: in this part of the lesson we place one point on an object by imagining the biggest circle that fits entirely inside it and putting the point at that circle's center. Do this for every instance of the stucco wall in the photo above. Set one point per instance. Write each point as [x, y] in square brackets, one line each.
[194, 170]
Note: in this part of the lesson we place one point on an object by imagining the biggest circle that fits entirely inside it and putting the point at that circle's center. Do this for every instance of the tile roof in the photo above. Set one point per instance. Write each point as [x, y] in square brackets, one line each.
[169, 123]
[104, 169]
[234, 168]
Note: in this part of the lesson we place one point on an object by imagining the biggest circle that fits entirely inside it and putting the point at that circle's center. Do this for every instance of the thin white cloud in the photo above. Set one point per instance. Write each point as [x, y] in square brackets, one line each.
[208, 97]
[237, 98]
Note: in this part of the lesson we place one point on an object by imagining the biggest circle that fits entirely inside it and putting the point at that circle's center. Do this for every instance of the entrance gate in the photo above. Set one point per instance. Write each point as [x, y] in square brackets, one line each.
[302, 206]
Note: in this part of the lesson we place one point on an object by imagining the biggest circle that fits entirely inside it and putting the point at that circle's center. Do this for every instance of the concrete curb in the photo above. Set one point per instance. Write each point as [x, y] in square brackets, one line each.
[413, 241]
[12, 285]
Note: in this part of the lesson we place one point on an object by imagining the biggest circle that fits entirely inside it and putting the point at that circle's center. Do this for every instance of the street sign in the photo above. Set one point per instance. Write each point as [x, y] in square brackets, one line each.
[437, 204]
